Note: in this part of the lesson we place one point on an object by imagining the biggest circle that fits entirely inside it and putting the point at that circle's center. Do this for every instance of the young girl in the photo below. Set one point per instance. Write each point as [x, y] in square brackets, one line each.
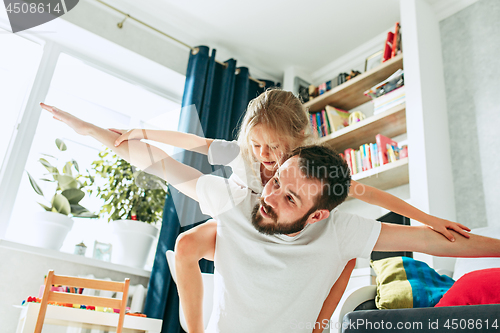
[274, 124]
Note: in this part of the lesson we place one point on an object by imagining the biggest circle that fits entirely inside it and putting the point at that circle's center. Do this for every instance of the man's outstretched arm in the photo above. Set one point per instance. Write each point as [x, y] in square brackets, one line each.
[146, 157]
[395, 237]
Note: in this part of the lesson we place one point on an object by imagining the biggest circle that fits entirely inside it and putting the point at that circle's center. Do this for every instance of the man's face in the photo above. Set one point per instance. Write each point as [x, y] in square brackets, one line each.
[287, 202]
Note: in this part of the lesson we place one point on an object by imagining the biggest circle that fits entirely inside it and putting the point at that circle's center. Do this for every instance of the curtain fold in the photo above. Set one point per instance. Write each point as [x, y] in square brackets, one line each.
[214, 101]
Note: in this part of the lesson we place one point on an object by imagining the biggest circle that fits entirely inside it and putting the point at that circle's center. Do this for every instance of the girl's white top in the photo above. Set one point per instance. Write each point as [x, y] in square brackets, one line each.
[222, 152]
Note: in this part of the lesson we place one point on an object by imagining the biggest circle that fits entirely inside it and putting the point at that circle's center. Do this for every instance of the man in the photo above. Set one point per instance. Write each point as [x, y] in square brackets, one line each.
[278, 254]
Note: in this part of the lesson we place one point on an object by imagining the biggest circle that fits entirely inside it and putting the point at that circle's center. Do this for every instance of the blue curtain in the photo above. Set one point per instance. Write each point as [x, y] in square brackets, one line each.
[215, 98]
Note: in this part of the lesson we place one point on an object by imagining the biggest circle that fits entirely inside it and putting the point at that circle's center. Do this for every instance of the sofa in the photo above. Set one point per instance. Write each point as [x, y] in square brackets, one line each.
[357, 311]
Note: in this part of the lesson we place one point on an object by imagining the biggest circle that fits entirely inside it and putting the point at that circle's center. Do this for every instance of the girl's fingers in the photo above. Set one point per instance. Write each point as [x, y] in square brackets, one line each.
[463, 227]
[462, 232]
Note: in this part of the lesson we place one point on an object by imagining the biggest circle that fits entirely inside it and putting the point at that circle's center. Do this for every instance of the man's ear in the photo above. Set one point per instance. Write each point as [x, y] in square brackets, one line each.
[318, 215]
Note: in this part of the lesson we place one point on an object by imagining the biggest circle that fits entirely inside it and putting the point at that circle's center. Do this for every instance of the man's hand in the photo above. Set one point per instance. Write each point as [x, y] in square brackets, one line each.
[444, 226]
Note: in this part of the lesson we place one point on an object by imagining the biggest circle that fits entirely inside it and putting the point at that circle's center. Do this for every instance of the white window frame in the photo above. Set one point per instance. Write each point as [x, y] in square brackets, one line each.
[22, 138]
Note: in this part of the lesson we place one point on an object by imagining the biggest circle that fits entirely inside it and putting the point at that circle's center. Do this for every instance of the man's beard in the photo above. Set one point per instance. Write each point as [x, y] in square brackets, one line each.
[272, 228]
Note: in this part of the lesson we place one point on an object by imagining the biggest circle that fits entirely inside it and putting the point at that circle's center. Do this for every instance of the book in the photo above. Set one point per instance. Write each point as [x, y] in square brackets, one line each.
[374, 155]
[395, 41]
[353, 162]
[314, 125]
[382, 142]
[319, 124]
[388, 46]
[359, 162]
[389, 100]
[348, 158]
[322, 88]
[326, 123]
[338, 118]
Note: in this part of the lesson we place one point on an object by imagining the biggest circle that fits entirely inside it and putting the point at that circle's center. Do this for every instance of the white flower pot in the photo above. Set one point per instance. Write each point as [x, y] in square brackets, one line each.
[49, 230]
[132, 242]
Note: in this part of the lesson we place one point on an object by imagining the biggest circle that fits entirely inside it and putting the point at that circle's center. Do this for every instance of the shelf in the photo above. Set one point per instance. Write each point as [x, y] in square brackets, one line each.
[390, 123]
[386, 176]
[350, 94]
[69, 257]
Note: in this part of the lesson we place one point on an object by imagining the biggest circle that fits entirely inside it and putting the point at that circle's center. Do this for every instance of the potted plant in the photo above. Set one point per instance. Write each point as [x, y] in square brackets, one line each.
[133, 204]
[52, 225]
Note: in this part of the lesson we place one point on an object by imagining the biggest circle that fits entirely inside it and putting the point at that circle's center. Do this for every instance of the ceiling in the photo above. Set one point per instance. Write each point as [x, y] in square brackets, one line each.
[270, 35]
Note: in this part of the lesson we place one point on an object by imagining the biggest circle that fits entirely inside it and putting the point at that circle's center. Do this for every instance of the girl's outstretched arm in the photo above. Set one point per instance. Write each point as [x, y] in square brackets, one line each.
[146, 157]
[177, 139]
[388, 201]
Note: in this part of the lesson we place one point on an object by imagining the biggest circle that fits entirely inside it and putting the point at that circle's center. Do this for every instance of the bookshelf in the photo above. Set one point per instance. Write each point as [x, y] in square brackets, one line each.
[385, 176]
[390, 123]
[350, 94]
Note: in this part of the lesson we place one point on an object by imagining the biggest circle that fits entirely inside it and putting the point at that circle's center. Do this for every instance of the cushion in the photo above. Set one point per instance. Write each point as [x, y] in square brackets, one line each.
[403, 282]
[478, 287]
[466, 265]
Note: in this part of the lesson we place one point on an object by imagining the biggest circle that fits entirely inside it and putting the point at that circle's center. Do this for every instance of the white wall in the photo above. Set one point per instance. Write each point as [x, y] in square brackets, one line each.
[472, 71]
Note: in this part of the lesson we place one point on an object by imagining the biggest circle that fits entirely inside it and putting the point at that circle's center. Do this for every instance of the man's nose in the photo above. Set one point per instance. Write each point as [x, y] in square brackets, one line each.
[270, 199]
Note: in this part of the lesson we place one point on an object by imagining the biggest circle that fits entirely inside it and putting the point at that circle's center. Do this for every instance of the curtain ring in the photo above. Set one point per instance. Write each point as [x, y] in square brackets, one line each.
[195, 50]
[120, 24]
[237, 71]
[262, 84]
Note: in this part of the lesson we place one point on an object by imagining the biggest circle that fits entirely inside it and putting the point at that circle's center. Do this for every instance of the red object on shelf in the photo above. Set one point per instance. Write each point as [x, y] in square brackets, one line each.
[382, 142]
[388, 46]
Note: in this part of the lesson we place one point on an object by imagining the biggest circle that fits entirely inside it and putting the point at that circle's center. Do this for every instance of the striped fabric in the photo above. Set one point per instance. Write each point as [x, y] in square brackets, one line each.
[403, 282]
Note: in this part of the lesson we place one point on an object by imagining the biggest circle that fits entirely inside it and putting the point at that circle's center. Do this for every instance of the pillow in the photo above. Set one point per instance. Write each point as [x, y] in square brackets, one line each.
[403, 282]
[478, 287]
[467, 265]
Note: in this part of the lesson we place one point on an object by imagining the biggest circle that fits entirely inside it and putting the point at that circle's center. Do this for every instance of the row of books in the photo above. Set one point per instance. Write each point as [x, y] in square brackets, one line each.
[315, 91]
[372, 155]
[328, 120]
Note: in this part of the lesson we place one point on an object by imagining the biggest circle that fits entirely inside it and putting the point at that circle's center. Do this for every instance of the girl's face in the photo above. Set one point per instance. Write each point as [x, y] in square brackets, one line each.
[266, 147]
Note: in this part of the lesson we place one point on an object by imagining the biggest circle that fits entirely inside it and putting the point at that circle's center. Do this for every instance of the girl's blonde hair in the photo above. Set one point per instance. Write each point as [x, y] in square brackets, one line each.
[282, 113]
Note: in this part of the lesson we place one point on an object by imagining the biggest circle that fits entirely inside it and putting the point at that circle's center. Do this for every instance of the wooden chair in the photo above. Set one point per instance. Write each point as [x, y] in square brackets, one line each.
[60, 297]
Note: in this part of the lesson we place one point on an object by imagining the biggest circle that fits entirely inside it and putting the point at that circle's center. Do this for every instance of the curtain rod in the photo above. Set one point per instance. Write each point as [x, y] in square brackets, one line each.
[194, 50]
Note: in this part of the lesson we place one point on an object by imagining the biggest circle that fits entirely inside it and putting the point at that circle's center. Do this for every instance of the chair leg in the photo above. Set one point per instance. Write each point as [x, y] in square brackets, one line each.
[28, 323]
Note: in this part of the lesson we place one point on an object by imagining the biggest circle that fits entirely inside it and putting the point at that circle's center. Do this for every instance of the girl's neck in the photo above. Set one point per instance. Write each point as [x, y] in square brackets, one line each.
[265, 174]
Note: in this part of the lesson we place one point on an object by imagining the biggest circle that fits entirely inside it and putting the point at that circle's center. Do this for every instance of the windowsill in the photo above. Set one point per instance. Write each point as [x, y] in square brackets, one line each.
[74, 258]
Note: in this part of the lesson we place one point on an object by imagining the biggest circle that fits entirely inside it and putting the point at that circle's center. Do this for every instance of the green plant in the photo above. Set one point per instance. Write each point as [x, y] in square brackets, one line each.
[68, 191]
[128, 193]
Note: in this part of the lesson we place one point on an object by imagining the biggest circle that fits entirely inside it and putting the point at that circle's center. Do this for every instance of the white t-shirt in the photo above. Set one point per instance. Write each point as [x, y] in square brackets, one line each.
[228, 153]
[275, 283]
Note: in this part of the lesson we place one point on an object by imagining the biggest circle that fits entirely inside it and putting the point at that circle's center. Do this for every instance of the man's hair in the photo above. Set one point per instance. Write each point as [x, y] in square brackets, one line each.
[327, 166]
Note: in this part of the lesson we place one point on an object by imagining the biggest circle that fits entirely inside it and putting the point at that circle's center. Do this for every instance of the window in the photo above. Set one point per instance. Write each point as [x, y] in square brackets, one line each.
[98, 97]
[19, 61]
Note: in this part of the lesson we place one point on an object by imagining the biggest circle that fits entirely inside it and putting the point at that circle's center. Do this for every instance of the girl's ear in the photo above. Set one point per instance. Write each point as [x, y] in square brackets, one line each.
[318, 215]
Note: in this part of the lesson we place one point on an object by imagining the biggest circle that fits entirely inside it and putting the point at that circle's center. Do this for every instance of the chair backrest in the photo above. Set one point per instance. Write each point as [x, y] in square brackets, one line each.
[208, 292]
[61, 297]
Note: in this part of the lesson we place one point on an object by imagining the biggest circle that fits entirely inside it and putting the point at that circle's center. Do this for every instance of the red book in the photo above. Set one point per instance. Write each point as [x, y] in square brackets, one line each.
[388, 46]
[395, 41]
[382, 142]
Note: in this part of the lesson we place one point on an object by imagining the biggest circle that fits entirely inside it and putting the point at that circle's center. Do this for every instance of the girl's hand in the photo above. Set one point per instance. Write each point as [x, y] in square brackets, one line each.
[126, 135]
[442, 226]
[79, 126]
